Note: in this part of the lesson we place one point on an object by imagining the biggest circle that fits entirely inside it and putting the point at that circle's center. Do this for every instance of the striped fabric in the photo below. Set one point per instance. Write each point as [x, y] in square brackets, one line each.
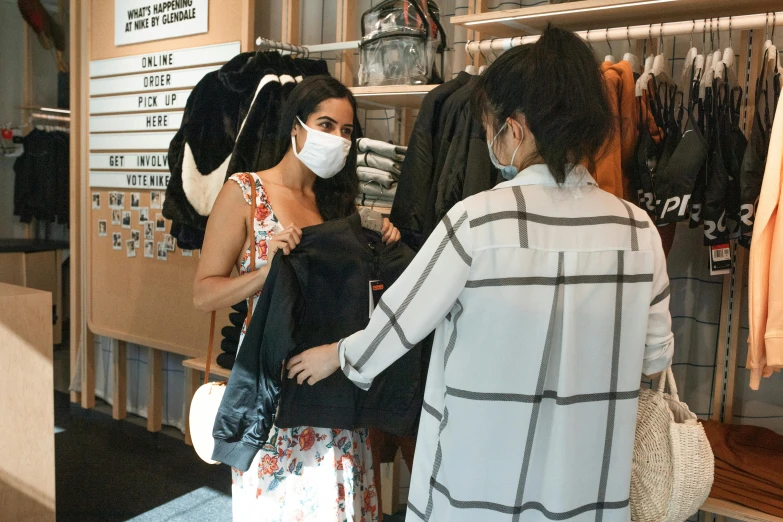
[548, 304]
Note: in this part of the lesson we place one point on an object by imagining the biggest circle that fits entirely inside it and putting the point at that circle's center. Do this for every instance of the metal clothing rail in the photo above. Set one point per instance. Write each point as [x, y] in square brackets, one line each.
[637, 32]
[265, 43]
[337, 46]
[41, 116]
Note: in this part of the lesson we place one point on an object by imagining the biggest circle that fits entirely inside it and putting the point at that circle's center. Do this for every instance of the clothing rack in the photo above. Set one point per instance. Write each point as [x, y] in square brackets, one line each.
[265, 43]
[59, 123]
[637, 32]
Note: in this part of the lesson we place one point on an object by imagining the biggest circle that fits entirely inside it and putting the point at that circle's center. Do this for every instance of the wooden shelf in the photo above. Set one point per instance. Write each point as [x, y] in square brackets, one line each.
[736, 511]
[200, 364]
[601, 14]
[391, 96]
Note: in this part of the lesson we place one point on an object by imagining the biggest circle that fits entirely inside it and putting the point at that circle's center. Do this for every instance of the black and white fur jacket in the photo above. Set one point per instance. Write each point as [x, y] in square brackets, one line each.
[229, 125]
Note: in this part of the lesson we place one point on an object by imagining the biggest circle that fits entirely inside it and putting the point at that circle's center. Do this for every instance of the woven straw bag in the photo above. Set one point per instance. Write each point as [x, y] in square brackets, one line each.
[673, 464]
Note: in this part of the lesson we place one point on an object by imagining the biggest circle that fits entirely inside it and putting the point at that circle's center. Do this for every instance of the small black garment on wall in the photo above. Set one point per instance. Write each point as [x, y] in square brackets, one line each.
[41, 182]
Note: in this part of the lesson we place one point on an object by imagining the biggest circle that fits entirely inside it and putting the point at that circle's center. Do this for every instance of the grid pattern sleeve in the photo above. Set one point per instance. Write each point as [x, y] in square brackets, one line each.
[417, 302]
[659, 346]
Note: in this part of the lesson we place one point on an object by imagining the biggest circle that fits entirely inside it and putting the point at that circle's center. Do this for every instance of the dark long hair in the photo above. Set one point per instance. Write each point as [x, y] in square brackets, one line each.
[558, 86]
[335, 197]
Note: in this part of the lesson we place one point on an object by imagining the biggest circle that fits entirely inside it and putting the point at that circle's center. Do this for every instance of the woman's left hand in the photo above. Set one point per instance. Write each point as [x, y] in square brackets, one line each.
[315, 364]
[389, 232]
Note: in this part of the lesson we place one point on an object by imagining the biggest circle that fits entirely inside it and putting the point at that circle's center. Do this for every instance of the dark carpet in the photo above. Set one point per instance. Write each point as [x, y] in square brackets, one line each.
[109, 471]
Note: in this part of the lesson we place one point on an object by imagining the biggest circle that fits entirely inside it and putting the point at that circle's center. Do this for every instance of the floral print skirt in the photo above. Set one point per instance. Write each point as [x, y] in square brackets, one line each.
[308, 474]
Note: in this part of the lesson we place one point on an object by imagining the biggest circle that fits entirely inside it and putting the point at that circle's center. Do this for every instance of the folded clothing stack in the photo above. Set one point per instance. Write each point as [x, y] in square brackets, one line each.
[231, 335]
[379, 165]
[748, 466]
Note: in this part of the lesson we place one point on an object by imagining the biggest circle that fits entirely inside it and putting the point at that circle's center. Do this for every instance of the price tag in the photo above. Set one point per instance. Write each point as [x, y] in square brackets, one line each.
[720, 259]
[376, 289]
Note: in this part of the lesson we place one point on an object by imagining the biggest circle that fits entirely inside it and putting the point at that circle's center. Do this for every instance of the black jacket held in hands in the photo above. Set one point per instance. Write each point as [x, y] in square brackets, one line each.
[317, 295]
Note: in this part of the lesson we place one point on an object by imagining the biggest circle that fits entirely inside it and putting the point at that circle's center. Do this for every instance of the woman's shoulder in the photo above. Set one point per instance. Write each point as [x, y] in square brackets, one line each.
[246, 180]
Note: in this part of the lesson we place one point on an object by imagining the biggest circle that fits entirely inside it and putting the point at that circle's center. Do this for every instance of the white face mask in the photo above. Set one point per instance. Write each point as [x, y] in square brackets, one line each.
[325, 154]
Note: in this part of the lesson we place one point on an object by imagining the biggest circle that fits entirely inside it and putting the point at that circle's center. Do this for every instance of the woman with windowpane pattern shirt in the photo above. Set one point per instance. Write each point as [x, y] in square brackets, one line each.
[549, 299]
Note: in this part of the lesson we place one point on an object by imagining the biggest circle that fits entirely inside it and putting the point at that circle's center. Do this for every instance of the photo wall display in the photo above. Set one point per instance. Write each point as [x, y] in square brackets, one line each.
[136, 106]
[130, 219]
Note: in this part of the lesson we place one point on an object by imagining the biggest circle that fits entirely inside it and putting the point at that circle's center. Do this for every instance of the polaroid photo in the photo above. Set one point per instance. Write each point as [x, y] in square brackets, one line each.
[160, 223]
[136, 237]
[121, 199]
[162, 199]
[112, 200]
[102, 229]
[116, 217]
[135, 199]
[126, 219]
[149, 249]
[116, 238]
[155, 199]
[144, 214]
[171, 243]
[96, 200]
[130, 248]
[187, 253]
[162, 252]
[149, 230]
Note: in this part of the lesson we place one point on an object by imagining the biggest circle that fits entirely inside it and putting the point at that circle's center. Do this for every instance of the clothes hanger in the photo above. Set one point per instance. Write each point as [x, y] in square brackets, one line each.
[690, 58]
[698, 64]
[727, 59]
[486, 58]
[709, 71]
[641, 83]
[589, 43]
[773, 60]
[371, 219]
[494, 57]
[471, 69]
[609, 57]
[629, 56]
[717, 56]
[659, 64]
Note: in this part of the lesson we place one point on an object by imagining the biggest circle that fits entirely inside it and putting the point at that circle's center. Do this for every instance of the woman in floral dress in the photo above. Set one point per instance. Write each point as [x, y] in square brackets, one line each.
[305, 473]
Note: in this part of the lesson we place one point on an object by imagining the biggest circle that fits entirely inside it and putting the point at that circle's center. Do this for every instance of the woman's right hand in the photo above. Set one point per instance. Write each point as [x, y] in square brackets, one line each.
[285, 242]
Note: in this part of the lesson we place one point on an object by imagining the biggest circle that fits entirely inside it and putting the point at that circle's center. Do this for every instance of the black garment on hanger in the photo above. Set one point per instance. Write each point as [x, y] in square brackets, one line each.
[214, 113]
[42, 178]
[754, 161]
[334, 264]
[676, 183]
[734, 145]
[467, 169]
[647, 154]
[258, 144]
[717, 182]
[410, 202]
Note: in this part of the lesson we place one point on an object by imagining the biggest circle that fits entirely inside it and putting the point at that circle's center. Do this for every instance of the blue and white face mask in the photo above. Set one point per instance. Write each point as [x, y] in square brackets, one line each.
[508, 172]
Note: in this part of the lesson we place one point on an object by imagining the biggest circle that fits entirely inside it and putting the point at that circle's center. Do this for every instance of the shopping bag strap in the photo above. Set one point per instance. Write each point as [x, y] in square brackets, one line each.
[668, 376]
[253, 250]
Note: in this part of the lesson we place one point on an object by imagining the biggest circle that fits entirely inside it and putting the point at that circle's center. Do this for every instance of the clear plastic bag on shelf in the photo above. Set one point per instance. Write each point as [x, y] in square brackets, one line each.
[399, 44]
[397, 60]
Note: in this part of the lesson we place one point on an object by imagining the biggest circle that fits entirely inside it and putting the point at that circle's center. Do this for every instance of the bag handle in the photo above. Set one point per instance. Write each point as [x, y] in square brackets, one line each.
[253, 249]
[668, 376]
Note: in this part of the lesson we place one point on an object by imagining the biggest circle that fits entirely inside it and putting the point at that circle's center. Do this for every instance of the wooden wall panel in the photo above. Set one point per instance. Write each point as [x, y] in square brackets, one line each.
[225, 25]
[27, 485]
[140, 300]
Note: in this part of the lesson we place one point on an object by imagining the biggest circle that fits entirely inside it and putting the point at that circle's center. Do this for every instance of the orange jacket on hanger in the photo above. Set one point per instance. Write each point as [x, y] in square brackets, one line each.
[765, 280]
[613, 168]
